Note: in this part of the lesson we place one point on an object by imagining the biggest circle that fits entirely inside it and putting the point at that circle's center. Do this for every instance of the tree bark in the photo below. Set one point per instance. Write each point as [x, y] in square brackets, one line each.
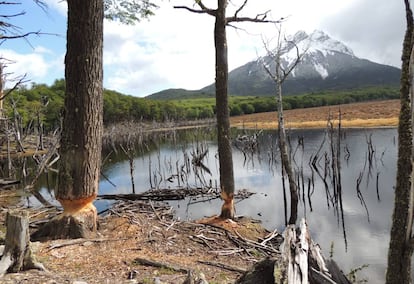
[400, 248]
[81, 139]
[222, 107]
[17, 255]
[286, 164]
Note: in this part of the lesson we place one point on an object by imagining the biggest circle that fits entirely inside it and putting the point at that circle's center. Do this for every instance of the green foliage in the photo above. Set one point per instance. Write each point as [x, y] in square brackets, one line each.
[48, 102]
[128, 12]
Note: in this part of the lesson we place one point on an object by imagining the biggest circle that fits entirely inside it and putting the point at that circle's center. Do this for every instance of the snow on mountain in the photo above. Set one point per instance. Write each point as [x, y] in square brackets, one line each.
[315, 47]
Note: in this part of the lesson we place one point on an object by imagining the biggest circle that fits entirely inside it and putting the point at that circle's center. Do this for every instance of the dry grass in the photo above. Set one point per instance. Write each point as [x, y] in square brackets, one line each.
[367, 114]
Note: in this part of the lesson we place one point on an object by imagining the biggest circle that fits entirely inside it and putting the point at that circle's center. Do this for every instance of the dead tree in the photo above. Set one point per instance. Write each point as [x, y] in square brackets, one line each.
[130, 152]
[301, 262]
[222, 105]
[279, 75]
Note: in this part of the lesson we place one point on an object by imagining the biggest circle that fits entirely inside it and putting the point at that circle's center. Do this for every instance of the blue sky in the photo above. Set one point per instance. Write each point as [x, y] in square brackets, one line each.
[175, 49]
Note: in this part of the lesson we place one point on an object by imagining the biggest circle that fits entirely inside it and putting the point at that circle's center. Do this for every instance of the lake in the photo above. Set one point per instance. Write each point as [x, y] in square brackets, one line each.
[355, 230]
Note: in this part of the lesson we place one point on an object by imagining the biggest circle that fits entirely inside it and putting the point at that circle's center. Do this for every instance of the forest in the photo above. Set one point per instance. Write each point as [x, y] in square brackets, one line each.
[49, 100]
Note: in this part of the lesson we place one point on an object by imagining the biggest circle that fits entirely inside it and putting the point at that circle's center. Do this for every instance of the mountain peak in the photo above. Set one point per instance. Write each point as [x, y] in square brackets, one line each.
[320, 39]
[317, 41]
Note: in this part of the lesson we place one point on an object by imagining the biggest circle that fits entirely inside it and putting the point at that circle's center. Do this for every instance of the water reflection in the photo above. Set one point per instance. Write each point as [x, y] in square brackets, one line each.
[358, 231]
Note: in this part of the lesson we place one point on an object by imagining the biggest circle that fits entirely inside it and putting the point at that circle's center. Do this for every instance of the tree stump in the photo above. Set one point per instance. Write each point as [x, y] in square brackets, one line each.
[73, 223]
[18, 255]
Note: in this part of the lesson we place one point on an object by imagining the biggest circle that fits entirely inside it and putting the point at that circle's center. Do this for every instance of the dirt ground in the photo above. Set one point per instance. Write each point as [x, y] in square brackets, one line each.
[366, 114]
[143, 243]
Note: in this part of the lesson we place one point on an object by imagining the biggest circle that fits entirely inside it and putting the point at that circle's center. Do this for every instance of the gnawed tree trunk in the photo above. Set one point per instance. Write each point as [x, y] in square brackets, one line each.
[222, 106]
[401, 240]
[81, 140]
[18, 255]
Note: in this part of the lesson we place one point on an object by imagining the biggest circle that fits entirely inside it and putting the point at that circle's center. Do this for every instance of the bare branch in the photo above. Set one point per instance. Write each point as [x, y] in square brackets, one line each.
[9, 3]
[3, 37]
[260, 18]
[240, 8]
[13, 15]
[210, 12]
[204, 9]
[267, 69]
[21, 80]
[295, 63]
[202, 6]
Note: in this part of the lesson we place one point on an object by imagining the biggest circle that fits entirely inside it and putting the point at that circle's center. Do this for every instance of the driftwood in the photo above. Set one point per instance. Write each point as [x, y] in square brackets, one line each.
[173, 194]
[301, 263]
[18, 255]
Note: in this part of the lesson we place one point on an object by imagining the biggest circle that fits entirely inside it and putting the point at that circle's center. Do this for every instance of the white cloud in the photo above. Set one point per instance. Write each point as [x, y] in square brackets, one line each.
[33, 65]
[167, 52]
[59, 5]
[42, 49]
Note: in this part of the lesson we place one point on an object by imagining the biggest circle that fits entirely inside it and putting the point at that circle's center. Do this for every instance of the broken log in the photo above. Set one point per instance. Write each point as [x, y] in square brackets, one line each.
[18, 255]
[301, 262]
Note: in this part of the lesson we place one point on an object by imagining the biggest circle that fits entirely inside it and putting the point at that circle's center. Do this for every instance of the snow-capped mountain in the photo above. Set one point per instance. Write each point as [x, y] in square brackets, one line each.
[327, 64]
[315, 48]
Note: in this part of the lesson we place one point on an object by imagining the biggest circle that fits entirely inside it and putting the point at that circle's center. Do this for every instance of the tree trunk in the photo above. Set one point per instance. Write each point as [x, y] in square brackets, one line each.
[81, 139]
[286, 164]
[400, 249]
[17, 255]
[222, 108]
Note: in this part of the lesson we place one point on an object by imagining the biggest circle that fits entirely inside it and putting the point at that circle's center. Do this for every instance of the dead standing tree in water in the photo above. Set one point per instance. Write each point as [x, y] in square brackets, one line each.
[279, 75]
[222, 106]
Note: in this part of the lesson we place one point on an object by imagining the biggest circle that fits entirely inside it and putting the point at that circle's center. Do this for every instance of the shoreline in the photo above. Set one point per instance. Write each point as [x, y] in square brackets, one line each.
[367, 123]
[374, 114]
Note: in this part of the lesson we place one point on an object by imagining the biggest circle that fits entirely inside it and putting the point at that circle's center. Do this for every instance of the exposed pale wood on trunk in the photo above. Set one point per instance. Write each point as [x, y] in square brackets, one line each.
[301, 262]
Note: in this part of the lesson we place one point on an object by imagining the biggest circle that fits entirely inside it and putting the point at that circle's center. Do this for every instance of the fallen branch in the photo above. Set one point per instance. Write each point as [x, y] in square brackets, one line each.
[223, 266]
[81, 241]
[147, 262]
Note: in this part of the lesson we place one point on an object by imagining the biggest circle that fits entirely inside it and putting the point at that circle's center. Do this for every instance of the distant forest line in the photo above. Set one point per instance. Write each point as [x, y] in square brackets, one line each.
[45, 102]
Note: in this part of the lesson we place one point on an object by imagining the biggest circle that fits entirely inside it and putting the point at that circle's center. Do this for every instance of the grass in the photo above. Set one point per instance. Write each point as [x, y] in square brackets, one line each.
[369, 114]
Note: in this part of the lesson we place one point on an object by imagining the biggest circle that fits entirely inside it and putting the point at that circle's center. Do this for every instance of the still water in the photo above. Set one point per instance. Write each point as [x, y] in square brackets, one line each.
[357, 232]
